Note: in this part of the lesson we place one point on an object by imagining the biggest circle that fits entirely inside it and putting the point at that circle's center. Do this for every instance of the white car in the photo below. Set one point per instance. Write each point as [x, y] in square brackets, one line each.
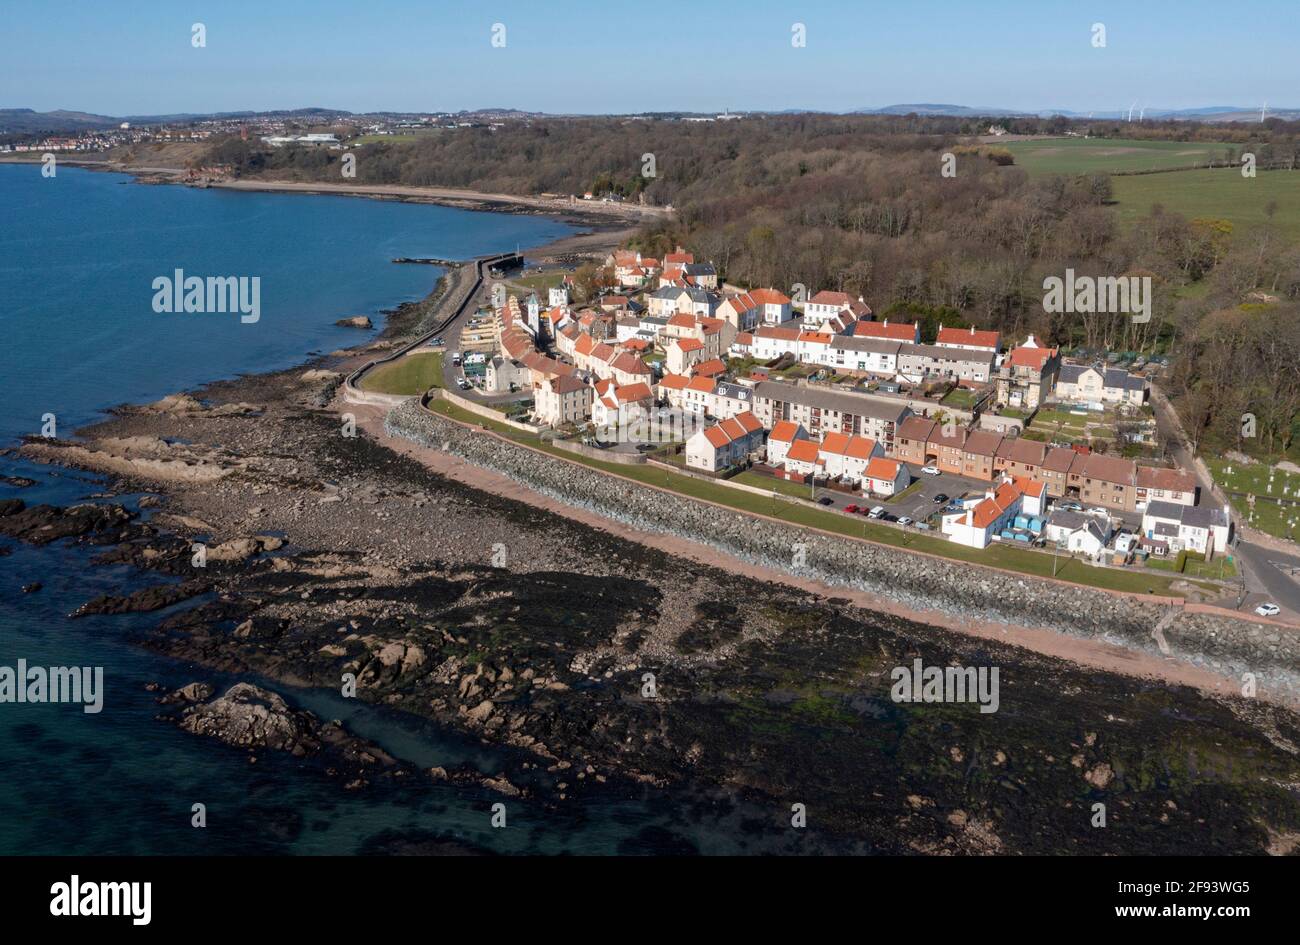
[1268, 610]
[878, 511]
[904, 520]
[930, 470]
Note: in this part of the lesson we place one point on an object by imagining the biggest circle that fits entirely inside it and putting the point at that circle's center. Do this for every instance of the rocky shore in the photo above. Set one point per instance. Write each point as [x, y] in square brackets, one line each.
[1225, 644]
[605, 666]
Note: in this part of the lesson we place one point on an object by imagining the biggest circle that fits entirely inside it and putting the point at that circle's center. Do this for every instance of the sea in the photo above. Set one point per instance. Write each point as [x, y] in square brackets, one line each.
[79, 256]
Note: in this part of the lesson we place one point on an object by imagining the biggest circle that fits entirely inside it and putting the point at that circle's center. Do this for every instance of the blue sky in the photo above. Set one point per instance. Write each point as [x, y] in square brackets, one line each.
[135, 56]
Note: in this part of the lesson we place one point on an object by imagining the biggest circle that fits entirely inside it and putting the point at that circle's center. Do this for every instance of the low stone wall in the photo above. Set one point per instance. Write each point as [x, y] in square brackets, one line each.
[479, 410]
[1225, 643]
[605, 456]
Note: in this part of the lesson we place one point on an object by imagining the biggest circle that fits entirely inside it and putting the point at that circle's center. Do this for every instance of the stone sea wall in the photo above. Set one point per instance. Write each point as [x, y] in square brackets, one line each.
[1227, 644]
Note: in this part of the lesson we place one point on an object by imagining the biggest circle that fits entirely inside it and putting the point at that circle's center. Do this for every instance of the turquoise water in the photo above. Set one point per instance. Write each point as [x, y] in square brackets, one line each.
[77, 258]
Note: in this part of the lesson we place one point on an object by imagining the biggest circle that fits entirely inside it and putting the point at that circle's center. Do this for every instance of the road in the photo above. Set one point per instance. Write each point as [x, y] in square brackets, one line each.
[1258, 564]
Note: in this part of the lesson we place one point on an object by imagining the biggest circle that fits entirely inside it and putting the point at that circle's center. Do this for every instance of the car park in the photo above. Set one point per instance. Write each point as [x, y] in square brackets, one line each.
[930, 470]
[1268, 610]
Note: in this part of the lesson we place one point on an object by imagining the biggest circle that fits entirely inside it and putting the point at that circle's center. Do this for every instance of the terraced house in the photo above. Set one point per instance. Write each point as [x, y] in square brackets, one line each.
[820, 410]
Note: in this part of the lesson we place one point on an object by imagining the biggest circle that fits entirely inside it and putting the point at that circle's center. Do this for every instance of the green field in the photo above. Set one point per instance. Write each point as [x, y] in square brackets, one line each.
[1222, 194]
[413, 374]
[377, 139]
[997, 555]
[1109, 155]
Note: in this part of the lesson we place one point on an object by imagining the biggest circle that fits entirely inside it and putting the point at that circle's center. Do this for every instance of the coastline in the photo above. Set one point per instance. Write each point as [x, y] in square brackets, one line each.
[388, 573]
[580, 213]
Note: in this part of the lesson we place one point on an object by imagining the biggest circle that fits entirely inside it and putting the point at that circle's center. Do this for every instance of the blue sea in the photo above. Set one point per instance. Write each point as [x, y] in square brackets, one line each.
[78, 256]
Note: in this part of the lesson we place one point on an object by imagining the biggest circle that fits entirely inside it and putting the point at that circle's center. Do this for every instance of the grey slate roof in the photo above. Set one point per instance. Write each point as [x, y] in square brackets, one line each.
[859, 405]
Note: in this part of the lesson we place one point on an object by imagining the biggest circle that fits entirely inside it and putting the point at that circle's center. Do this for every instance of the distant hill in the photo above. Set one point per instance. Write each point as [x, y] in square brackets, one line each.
[956, 111]
[29, 121]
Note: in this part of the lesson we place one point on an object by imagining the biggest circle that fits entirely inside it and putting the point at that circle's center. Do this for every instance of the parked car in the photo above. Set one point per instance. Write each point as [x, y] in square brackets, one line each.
[878, 511]
[1268, 610]
[930, 470]
[825, 500]
[904, 520]
[1069, 506]
[851, 509]
[941, 499]
[889, 517]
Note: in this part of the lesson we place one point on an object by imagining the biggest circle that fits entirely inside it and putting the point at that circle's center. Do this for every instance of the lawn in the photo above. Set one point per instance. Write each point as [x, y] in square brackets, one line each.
[1217, 194]
[783, 486]
[413, 374]
[1273, 518]
[540, 281]
[996, 555]
[378, 139]
[1254, 478]
[960, 397]
[1109, 155]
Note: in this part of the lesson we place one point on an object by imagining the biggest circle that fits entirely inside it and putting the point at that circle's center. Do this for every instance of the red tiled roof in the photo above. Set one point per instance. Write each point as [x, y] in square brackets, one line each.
[769, 297]
[898, 331]
[804, 451]
[835, 443]
[689, 344]
[1171, 480]
[1031, 357]
[827, 297]
[711, 368]
[775, 331]
[881, 468]
[674, 381]
[860, 447]
[704, 384]
[968, 336]
[784, 431]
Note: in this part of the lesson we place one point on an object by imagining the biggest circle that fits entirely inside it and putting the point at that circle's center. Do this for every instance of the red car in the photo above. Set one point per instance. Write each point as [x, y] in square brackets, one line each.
[850, 508]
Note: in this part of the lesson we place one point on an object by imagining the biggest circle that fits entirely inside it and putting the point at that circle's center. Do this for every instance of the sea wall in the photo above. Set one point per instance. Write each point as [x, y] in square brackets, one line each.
[1220, 641]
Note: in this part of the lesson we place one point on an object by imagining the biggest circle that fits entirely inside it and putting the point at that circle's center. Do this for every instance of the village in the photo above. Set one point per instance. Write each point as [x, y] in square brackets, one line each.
[964, 435]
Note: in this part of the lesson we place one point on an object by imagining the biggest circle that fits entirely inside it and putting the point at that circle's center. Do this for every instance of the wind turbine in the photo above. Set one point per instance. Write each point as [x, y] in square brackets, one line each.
[1262, 112]
[1130, 110]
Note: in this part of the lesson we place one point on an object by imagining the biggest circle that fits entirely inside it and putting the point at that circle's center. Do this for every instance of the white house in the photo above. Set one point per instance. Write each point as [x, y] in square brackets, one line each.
[725, 443]
[1202, 528]
[846, 457]
[780, 440]
[1080, 384]
[980, 521]
[885, 477]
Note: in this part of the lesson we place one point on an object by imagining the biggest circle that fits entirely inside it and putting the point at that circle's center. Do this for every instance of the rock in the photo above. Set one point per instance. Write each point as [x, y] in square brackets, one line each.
[481, 711]
[251, 717]
[192, 692]
[359, 321]
[18, 482]
[1100, 776]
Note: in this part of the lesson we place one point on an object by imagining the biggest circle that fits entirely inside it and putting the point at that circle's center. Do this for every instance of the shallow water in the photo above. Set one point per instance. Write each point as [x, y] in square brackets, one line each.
[77, 259]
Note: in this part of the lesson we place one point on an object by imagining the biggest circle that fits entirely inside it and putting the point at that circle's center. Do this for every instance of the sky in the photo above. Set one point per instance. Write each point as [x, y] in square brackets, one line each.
[136, 57]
